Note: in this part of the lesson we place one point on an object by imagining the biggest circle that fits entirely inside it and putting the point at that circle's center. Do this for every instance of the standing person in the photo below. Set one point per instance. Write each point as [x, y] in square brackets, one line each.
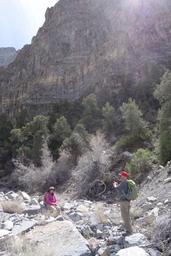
[123, 191]
[50, 200]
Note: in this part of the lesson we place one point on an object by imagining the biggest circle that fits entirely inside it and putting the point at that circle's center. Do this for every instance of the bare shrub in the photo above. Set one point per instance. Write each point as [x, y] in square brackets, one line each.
[93, 164]
[33, 179]
[162, 237]
[61, 170]
[12, 206]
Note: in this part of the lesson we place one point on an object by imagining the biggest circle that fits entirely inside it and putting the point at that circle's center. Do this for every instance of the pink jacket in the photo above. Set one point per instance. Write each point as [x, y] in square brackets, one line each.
[50, 199]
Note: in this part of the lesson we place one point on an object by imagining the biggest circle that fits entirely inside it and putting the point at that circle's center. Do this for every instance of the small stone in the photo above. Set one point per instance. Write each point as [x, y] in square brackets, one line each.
[160, 204]
[166, 201]
[154, 212]
[93, 244]
[103, 252]
[34, 201]
[151, 199]
[60, 218]
[168, 180]
[99, 234]
[75, 216]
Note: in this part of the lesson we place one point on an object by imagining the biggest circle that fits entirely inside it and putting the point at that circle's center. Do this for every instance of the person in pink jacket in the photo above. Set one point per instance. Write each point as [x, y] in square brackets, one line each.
[50, 200]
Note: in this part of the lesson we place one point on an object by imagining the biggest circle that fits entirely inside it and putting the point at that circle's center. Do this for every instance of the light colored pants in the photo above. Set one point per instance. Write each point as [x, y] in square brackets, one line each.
[125, 213]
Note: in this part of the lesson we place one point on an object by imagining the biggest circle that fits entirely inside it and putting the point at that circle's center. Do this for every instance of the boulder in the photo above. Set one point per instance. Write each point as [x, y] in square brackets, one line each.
[8, 225]
[137, 239]
[62, 236]
[11, 195]
[25, 196]
[4, 232]
[23, 226]
[132, 251]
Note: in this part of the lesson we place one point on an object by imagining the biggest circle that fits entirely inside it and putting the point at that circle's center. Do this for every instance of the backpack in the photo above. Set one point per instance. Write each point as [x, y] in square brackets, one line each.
[133, 190]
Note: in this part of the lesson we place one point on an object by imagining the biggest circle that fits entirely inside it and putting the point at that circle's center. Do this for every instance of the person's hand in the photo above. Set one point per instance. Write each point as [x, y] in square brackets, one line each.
[115, 184]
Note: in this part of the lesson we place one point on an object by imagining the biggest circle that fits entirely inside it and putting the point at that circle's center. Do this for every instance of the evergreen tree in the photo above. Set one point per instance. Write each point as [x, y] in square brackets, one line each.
[61, 130]
[27, 142]
[77, 143]
[91, 114]
[133, 119]
[109, 121]
[163, 94]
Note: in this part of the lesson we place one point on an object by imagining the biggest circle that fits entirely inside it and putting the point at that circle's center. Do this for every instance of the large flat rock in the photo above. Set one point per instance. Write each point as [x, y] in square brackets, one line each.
[62, 237]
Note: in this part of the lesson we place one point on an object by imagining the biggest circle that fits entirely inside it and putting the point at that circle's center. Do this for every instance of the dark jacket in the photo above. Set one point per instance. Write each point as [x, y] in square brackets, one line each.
[123, 190]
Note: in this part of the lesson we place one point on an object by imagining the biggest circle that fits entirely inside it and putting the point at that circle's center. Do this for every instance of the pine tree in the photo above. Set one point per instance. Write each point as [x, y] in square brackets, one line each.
[163, 94]
[135, 125]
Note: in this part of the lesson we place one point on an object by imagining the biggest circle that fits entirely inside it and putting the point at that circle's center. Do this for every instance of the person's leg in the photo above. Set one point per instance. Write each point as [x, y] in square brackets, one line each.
[125, 213]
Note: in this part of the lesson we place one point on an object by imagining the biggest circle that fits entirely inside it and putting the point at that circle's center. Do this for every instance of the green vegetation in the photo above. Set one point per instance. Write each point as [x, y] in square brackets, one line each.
[133, 120]
[163, 94]
[27, 142]
[61, 130]
[140, 164]
[69, 128]
[110, 119]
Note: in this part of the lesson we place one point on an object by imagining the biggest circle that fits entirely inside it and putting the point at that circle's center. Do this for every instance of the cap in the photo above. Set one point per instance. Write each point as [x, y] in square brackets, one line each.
[123, 174]
[51, 188]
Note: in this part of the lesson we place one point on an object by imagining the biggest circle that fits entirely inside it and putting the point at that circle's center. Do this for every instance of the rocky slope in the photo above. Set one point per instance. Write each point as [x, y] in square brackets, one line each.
[87, 45]
[85, 228]
[7, 55]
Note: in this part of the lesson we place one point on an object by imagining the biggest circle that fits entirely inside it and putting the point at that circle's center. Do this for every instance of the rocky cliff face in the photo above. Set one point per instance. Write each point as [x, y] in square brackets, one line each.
[7, 55]
[88, 45]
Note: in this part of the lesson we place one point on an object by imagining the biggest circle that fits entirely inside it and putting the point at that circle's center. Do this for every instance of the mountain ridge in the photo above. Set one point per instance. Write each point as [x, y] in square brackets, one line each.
[88, 46]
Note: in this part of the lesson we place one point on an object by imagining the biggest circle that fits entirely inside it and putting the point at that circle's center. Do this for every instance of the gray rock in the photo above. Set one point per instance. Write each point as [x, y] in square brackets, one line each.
[137, 239]
[11, 195]
[103, 252]
[132, 251]
[167, 180]
[4, 232]
[23, 226]
[32, 209]
[25, 196]
[75, 216]
[8, 225]
[151, 199]
[63, 237]
[153, 252]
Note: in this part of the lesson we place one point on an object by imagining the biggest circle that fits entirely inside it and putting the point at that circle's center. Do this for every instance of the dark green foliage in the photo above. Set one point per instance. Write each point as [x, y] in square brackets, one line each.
[77, 143]
[140, 164]
[91, 118]
[5, 149]
[165, 133]
[163, 94]
[135, 125]
[27, 142]
[21, 118]
[71, 110]
[110, 119]
[60, 131]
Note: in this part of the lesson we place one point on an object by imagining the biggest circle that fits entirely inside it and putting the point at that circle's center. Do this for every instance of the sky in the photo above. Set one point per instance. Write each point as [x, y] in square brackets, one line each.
[20, 20]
